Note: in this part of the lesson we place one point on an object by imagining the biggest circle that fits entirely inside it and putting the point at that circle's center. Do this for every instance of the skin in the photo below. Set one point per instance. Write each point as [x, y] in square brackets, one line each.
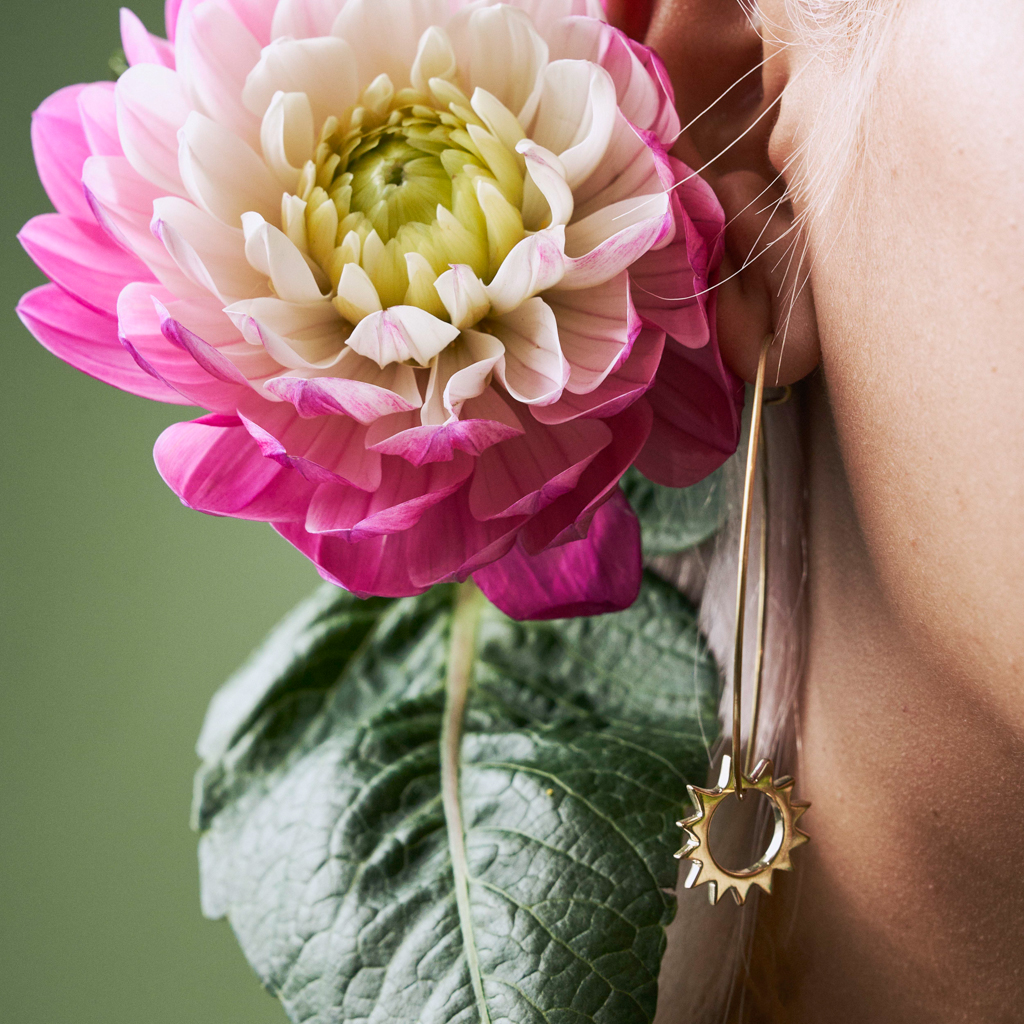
[908, 905]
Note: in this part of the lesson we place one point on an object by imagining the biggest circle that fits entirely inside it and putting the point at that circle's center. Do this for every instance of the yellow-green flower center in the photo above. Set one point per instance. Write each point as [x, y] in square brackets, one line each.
[404, 187]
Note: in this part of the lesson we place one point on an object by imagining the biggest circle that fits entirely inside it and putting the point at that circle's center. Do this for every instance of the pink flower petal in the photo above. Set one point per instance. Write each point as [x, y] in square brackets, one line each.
[617, 391]
[595, 576]
[372, 568]
[256, 16]
[139, 46]
[526, 474]
[99, 119]
[206, 250]
[61, 149]
[328, 449]
[214, 466]
[323, 68]
[204, 318]
[122, 201]
[80, 256]
[171, 9]
[568, 518]
[326, 396]
[89, 342]
[697, 404]
[173, 354]
[485, 421]
[596, 328]
[304, 19]
[151, 110]
[215, 52]
[644, 90]
[386, 36]
[405, 494]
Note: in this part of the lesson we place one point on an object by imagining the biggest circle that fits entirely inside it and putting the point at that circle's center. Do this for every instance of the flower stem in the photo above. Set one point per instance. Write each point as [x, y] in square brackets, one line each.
[461, 657]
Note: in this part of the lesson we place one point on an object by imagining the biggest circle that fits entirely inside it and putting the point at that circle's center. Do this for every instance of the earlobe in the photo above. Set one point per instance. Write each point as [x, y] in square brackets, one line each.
[765, 283]
[714, 55]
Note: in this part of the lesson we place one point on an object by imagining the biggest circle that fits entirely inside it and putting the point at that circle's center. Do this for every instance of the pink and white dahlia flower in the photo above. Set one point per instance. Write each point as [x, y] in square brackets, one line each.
[420, 260]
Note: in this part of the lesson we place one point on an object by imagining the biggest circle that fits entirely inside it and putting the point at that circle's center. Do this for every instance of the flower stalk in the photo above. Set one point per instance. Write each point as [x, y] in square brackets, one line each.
[469, 605]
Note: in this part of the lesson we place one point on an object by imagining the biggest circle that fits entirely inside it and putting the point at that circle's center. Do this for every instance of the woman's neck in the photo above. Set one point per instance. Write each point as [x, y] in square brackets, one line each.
[907, 905]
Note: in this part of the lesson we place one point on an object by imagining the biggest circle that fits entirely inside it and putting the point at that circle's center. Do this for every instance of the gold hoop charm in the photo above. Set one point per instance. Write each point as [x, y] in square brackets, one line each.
[786, 837]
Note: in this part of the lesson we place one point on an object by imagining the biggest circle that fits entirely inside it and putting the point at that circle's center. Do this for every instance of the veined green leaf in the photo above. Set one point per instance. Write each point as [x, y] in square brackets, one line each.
[676, 519]
[422, 812]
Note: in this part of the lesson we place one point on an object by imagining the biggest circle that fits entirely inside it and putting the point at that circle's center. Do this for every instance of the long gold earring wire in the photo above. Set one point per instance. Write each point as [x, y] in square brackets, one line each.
[736, 776]
[753, 451]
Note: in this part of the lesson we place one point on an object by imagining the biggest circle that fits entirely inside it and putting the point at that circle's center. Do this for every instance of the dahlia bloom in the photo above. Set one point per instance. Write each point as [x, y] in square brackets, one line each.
[420, 260]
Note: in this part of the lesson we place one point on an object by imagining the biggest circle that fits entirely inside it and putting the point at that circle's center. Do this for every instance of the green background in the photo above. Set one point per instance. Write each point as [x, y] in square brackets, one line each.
[120, 612]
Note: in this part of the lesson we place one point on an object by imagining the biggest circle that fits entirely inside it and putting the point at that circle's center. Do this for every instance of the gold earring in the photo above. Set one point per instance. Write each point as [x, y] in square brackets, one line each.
[736, 778]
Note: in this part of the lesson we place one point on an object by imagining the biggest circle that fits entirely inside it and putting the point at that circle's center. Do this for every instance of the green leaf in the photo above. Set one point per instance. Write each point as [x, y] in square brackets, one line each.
[422, 812]
[676, 519]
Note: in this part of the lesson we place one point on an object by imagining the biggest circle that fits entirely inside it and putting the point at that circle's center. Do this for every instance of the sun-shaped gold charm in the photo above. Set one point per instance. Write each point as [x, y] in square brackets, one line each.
[705, 870]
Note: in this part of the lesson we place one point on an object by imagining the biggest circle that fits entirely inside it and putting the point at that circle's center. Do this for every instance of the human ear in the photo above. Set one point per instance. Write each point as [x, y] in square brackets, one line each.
[714, 53]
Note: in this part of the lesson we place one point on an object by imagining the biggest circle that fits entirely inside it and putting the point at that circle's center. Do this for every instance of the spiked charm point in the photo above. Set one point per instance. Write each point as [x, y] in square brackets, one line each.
[704, 869]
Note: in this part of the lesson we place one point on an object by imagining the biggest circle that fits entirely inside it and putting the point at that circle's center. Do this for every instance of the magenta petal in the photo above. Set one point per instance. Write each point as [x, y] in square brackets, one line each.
[143, 332]
[61, 149]
[397, 505]
[328, 449]
[139, 46]
[568, 518]
[89, 342]
[99, 119]
[618, 391]
[371, 568]
[214, 466]
[697, 406]
[595, 576]
[325, 396]
[212, 361]
[526, 474]
[171, 9]
[486, 421]
[81, 257]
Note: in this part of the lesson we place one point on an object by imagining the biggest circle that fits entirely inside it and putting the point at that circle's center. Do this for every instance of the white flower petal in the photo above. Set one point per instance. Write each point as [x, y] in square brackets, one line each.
[613, 239]
[480, 353]
[435, 59]
[463, 295]
[271, 252]
[215, 52]
[324, 69]
[639, 97]
[123, 203]
[596, 328]
[547, 198]
[402, 334]
[547, 13]
[630, 168]
[498, 49]
[300, 336]
[536, 264]
[535, 371]
[222, 174]
[459, 374]
[357, 297]
[288, 136]
[207, 250]
[151, 108]
[576, 116]
[500, 121]
[303, 19]
[386, 36]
